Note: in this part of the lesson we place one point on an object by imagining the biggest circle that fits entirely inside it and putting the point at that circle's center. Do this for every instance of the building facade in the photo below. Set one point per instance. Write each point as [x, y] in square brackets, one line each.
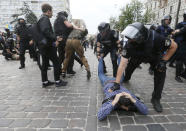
[10, 7]
[164, 7]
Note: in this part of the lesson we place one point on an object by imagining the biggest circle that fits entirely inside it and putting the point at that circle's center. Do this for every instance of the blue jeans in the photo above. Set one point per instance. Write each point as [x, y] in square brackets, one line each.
[103, 78]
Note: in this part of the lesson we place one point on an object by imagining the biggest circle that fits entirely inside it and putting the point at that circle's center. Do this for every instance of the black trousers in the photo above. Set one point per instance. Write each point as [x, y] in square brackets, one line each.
[49, 53]
[23, 47]
[113, 57]
[159, 77]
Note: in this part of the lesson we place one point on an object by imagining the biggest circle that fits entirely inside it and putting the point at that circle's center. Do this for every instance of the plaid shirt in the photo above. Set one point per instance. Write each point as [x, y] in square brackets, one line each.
[107, 107]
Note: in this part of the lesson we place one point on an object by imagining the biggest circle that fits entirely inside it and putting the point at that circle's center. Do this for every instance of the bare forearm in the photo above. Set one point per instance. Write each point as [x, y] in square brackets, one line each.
[121, 69]
[171, 51]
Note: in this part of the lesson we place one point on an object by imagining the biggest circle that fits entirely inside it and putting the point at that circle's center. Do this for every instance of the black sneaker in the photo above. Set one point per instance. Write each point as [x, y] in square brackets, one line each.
[178, 79]
[88, 75]
[157, 105]
[71, 72]
[61, 83]
[47, 84]
[21, 67]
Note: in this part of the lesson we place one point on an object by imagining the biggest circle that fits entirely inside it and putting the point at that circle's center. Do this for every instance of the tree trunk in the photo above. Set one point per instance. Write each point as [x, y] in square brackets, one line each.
[177, 13]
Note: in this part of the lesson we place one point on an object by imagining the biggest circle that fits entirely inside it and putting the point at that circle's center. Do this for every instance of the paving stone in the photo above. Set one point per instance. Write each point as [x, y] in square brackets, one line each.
[59, 123]
[20, 123]
[127, 120]
[6, 129]
[91, 123]
[161, 119]
[37, 115]
[5, 122]
[3, 114]
[72, 130]
[183, 126]
[49, 129]
[16, 115]
[172, 127]
[25, 129]
[33, 109]
[176, 118]
[76, 123]
[143, 119]
[114, 123]
[39, 123]
[103, 129]
[77, 115]
[57, 115]
[134, 128]
[155, 127]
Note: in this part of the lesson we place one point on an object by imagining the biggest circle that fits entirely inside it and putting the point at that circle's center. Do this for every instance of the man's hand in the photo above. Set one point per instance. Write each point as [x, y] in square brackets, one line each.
[127, 95]
[59, 38]
[31, 42]
[161, 66]
[57, 43]
[116, 99]
[115, 87]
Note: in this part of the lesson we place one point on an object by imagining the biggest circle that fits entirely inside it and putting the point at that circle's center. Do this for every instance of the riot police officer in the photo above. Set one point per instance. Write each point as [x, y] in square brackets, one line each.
[164, 29]
[107, 42]
[23, 40]
[145, 46]
[180, 37]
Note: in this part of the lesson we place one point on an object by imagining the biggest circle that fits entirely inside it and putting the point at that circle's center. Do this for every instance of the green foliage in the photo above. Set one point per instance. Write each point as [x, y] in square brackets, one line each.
[30, 17]
[132, 12]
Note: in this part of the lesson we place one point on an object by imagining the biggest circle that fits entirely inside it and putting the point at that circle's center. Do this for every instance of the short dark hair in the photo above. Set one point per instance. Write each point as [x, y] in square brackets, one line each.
[46, 7]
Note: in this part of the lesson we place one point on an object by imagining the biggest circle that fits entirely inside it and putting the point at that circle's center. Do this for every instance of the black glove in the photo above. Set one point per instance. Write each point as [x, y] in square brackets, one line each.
[115, 87]
[161, 66]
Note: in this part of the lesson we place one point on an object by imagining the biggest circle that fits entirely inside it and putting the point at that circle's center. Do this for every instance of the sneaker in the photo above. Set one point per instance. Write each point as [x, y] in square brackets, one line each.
[61, 83]
[71, 72]
[21, 67]
[157, 105]
[88, 75]
[47, 84]
[178, 79]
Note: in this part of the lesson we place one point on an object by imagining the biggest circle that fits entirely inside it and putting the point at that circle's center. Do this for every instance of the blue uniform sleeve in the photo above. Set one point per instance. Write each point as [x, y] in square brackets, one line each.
[142, 108]
[105, 110]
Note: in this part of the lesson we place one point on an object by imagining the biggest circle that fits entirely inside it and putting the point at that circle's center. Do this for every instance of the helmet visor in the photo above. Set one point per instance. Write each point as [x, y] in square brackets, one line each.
[130, 32]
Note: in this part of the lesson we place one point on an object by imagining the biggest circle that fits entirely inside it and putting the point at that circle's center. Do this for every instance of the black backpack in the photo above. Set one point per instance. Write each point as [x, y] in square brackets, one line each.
[36, 35]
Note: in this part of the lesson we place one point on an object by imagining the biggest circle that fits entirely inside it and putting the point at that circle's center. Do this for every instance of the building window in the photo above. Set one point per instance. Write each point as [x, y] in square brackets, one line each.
[163, 11]
[171, 9]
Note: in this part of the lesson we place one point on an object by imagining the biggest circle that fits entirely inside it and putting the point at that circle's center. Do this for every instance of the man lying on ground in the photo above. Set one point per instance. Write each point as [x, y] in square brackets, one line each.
[117, 98]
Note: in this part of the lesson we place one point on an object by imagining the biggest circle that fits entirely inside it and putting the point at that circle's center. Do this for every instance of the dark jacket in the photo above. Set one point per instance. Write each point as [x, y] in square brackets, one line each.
[45, 28]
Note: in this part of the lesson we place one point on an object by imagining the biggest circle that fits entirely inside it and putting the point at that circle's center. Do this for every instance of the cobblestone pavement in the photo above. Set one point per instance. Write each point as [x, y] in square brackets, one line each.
[25, 106]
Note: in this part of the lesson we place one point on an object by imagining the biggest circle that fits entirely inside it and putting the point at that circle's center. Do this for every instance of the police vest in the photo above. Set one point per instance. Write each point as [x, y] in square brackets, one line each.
[109, 40]
[165, 31]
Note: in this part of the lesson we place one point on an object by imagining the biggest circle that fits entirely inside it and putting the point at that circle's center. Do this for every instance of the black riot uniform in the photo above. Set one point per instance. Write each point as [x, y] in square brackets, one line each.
[108, 44]
[146, 46]
[62, 30]
[23, 33]
[180, 38]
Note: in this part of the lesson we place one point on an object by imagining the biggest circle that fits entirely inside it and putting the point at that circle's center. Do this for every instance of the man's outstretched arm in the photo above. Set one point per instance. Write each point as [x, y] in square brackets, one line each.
[121, 69]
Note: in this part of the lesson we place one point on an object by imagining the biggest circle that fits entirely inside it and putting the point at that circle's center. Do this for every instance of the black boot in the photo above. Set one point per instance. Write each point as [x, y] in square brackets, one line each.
[178, 79]
[157, 105]
[22, 66]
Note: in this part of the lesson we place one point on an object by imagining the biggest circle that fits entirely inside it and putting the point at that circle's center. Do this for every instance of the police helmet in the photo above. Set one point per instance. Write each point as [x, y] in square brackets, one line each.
[137, 32]
[64, 13]
[167, 17]
[103, 27]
